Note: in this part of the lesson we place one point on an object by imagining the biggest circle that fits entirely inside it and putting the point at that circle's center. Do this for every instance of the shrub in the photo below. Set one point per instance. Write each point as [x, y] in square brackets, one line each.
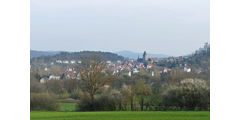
[36, 87]
[43, 101]
[109, 100]
[76, 94]
[189, 94]
[64, 95]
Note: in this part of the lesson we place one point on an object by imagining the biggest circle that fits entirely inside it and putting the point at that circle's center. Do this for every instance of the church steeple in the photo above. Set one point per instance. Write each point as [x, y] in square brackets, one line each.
[145, 56]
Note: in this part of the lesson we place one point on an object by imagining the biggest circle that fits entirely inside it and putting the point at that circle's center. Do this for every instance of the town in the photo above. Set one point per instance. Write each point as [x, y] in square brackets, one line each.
[153, 67]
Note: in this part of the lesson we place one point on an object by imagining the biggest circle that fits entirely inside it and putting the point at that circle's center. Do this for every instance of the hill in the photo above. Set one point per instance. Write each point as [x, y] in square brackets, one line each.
[201, 58]
[35, 53]
[83, 55]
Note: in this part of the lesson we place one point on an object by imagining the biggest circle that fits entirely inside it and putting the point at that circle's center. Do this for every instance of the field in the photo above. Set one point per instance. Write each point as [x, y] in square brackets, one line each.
[68, 107]
[68, 114]
[121, 115]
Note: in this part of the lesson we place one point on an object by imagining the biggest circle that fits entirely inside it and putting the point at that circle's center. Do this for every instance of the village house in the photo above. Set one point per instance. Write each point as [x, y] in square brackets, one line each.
[135, 70]
[149, 66]
[187, 69]
[43, 80]
[73, 61]
[45, 69]
[65, 61]
[53, 77]
[58, 61]
[152, 73]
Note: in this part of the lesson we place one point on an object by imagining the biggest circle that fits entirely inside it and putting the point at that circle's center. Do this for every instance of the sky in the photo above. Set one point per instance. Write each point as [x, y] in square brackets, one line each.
[171, 27]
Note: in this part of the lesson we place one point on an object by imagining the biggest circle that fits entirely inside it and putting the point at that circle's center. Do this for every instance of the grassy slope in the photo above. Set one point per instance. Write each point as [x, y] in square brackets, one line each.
[121, 115]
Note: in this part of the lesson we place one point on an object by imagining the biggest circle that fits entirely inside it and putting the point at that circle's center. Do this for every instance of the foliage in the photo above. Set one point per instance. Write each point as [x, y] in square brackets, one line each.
[128, 93]
[111, 100]
[54, 86]
[76, 94]
[42, 101]
[35, 86]
[190, 94]
[94, 76]
[143, 90]
[64, 95]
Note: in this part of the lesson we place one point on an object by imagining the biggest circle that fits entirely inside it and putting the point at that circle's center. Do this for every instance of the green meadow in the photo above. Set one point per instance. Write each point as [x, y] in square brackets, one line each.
[121, 115]
[68, 107]
[67, 113]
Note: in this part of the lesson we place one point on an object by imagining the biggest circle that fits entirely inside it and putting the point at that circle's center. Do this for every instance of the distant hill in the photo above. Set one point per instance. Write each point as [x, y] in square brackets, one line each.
[134, 55]
[83, 55]
[35, 53]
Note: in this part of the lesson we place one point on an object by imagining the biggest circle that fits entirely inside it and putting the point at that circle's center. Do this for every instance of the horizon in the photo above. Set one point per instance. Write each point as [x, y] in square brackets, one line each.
[116, 52]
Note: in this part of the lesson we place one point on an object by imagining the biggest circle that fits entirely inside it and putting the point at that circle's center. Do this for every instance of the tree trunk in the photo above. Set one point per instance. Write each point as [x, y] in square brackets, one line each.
[142, 104]
[92, 102]
[131, 104]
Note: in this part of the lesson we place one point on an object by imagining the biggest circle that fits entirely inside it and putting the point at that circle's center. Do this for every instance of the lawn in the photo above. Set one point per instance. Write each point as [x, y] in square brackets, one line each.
[121, 115]
[68, 107]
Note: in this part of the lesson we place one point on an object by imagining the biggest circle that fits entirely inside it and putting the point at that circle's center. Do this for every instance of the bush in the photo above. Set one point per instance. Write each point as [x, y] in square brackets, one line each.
[36, 87]
[108, 101]
[43, 101]
[85, 103]
[111, 100]
[64, 95]
[190, 94]
[76, 94]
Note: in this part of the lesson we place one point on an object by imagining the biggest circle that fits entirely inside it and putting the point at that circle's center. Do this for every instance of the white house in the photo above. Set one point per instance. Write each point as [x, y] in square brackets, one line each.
[129, 74]
[54, 77]
[65, 61]
[73, 61]
[135, 70]
[45, 69]
[149, 66]
[187, 69]
[165, 70]
[43, 80]
[58, 61]
[109, 62]
[70, 69]
[152, 73]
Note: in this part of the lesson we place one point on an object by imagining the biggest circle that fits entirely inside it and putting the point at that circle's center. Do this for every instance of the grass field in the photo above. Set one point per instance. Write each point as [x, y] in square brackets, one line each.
[68, 107]
[121, 115]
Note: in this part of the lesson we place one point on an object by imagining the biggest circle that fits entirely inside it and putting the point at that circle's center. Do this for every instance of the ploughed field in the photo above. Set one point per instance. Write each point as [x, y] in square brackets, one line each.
[121, 115]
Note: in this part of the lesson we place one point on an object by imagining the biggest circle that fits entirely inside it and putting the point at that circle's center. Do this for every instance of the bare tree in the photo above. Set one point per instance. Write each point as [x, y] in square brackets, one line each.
[94, 76]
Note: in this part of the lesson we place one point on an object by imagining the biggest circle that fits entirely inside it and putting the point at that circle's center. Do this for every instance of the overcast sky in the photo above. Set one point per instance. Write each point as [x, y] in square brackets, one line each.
[172, 27]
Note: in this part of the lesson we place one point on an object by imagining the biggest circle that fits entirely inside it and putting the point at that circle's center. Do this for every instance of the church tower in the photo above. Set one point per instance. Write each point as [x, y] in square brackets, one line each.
[145, 56]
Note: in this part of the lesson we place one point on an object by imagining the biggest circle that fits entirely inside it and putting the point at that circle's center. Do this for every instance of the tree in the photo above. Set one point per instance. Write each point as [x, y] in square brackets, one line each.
[55, 86]
[94, 76]
[143, 90]
[129, 93]
[35, 85]
[189, 94]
